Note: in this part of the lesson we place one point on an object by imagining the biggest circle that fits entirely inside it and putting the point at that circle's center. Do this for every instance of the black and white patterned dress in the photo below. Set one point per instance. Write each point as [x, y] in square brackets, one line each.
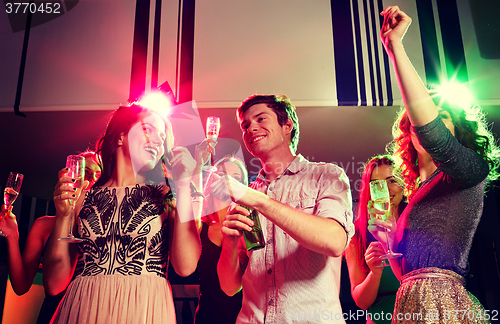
[120, 275]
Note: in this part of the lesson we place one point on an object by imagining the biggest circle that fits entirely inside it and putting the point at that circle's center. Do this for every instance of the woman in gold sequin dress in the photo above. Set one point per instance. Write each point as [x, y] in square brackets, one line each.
[447, 158]
[130, 228]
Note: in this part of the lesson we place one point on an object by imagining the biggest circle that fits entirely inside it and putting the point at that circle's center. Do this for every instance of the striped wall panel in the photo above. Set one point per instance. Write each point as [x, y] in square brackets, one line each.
[361, 68]
[319, 52]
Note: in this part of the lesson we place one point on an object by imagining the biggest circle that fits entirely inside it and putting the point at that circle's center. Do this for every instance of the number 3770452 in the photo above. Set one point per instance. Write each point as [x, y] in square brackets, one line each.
[33, 7]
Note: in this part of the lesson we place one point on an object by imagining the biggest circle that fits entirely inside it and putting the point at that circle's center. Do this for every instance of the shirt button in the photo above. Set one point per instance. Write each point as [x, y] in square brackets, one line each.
[270, 241]
[270, 189]
[270, 271]
[271, 302]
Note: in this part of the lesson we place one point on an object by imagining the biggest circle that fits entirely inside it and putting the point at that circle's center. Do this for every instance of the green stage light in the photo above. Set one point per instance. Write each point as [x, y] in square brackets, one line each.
[455, 94]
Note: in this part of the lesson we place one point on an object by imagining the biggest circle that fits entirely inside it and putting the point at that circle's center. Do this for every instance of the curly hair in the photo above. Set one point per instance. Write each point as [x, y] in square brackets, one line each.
[404, 153]
[362, 237]
[471, 130]
[282, 107]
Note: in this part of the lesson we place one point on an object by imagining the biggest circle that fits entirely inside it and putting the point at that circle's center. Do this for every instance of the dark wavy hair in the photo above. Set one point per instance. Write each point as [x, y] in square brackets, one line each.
[208, 205]
[471, 130]
[282, 107]
[120, 123]
[362, 237]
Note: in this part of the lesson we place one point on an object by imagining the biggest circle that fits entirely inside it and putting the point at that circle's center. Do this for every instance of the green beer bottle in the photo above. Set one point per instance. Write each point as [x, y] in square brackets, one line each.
[254, 239]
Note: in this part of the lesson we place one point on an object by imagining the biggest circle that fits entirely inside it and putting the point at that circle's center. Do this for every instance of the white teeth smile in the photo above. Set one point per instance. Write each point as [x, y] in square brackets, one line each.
[256, 139]
[151, 151]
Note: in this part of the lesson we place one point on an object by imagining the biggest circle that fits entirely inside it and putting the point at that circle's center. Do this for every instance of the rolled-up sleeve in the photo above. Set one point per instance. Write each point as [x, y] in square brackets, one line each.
[334, 198]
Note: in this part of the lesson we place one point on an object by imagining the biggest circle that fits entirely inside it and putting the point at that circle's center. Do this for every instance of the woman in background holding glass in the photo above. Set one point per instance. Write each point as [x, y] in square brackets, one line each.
[129, 228]
[23, 268]
[373, 286]
[214, 306]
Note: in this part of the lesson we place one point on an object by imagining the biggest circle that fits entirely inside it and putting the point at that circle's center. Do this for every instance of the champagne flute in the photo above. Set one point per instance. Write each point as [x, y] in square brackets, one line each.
[213, 128]
[11, 192]
[76, 166]
[379, 193]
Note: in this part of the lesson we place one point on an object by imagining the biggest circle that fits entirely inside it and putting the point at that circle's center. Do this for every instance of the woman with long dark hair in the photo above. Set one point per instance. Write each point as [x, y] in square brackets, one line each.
[130, 227]
[214, 305]
[447, 158]
[373, 285]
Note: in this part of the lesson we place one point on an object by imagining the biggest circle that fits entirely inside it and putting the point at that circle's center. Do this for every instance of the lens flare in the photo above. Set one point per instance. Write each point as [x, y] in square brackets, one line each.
[156, 101]
[456, 95]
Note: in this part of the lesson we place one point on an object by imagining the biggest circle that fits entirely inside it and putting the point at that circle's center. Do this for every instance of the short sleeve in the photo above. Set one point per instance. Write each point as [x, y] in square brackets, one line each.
[334, 198]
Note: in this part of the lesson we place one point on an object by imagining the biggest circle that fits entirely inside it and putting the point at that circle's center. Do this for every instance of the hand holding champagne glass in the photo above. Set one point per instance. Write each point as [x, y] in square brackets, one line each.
[212, 131]
[76, 170]
[213, 128]
[11, 192]
[379, 193]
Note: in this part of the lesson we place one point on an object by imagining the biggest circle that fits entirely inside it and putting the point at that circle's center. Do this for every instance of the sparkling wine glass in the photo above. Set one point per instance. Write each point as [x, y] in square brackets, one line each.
[76, 166]
[11, 192]
[379, 193]
[213, 128]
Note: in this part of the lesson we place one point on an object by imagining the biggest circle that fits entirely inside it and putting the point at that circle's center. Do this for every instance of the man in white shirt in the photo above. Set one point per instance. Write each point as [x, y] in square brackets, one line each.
[306, 217]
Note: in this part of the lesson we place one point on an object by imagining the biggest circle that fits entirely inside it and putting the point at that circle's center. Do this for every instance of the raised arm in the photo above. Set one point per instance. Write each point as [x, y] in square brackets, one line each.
[185, 243]
[22, 269]
[17, 270]
[60, 257]
[203, 152]
[419, 105]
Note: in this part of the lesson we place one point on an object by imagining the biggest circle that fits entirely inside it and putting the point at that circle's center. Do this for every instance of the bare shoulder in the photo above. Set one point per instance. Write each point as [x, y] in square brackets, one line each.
[44, 221]
[42, 227]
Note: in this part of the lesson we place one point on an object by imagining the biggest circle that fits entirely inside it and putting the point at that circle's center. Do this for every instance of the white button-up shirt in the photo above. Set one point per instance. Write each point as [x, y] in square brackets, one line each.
[286, 282]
